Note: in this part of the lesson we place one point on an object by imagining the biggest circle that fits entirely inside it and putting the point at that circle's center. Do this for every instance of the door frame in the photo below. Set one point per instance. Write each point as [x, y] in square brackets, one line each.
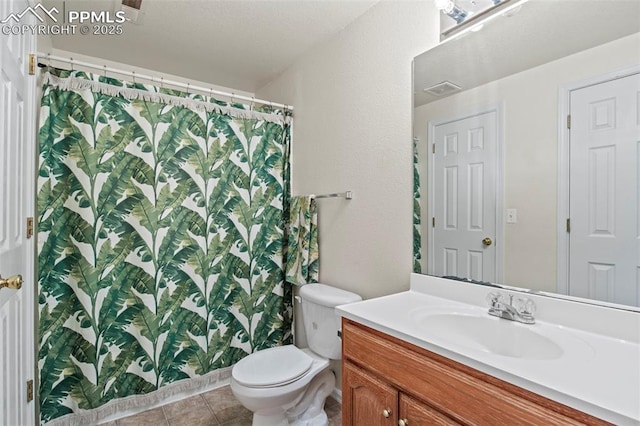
[462, 114]
[564, 158]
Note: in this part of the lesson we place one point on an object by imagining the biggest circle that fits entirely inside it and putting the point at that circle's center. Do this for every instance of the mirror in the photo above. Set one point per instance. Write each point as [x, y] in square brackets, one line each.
[527, 140]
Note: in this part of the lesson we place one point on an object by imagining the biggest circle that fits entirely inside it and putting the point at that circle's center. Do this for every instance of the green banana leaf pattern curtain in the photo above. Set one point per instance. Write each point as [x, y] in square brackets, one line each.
[161, 237]
[417, 237]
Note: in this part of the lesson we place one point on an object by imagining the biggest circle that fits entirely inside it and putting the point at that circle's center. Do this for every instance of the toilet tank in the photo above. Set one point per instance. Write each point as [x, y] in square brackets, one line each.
[321, 324]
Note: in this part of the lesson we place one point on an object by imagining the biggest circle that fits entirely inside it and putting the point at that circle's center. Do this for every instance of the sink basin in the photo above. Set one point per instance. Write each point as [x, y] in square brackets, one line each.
[489, 334]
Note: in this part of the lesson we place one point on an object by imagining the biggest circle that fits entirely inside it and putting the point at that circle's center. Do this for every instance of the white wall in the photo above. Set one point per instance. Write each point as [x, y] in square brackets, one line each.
[531, 155]
[352, 131]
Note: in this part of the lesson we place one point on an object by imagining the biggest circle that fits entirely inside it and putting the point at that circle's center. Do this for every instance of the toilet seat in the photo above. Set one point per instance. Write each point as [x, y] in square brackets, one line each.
[272, 367]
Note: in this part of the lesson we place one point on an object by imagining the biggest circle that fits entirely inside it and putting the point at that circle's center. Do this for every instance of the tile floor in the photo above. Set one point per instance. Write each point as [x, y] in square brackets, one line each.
[216, 407]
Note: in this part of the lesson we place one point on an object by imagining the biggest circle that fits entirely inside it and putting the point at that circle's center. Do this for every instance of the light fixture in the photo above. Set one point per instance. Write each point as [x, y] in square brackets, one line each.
[452, 10]
[131, 9]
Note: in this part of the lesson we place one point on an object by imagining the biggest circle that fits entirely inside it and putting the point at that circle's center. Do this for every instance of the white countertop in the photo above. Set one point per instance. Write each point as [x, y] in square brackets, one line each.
[598, 373]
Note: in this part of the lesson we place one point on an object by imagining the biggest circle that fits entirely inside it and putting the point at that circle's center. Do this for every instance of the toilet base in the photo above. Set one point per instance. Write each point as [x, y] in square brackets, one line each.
[306, 411]
[320, 419]
[281, 419]
[276, 419]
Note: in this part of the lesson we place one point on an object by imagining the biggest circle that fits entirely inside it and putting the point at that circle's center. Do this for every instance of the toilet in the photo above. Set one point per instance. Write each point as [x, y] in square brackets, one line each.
[286, 385]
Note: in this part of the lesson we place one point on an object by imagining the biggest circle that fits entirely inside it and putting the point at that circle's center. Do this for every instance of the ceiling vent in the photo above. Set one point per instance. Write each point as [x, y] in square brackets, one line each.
[443, 88]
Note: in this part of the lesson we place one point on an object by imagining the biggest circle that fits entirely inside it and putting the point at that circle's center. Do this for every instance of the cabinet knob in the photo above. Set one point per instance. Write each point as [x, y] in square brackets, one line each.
[386, 413]
[403, 422]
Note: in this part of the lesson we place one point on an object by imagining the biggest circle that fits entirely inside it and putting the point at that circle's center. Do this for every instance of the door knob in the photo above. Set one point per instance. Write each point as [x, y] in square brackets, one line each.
[386, 413]
[487, 241]
[403, 422]
[14, 282]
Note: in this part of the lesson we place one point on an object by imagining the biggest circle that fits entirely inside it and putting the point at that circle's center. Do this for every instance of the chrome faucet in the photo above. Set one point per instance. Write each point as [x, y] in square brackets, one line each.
[522, 311]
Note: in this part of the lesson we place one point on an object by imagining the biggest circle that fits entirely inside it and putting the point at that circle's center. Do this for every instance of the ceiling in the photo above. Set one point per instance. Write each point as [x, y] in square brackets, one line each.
[239, 44]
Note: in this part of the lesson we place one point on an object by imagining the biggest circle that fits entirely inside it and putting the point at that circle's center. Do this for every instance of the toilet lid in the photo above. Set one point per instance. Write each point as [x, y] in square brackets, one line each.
[272, 367]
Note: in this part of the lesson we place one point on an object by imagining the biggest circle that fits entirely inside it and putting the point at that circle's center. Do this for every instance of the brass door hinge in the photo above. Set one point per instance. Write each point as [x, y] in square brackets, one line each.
[433, 149]
[32, 64]
[568, 225]
[29, 227]
[433, 222]
[569, 121]
[29, 390]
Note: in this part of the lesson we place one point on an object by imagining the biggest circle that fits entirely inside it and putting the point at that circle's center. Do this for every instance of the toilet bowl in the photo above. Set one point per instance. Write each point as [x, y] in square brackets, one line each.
[286, 385]
[273, 403]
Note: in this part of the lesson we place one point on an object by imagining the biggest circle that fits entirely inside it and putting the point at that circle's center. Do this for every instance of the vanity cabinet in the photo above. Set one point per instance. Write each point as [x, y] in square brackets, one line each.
[387, 381]
[373, 402]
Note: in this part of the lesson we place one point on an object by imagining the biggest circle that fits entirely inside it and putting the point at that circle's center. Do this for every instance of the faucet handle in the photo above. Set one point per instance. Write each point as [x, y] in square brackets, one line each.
[526, 307]
[494, 298]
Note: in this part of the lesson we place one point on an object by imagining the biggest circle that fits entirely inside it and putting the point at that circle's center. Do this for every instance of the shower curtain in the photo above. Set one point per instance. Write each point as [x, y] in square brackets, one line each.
[161, 233]
[417, 238]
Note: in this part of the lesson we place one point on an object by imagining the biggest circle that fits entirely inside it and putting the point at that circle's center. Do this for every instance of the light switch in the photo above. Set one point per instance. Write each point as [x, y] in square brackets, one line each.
[512, 216]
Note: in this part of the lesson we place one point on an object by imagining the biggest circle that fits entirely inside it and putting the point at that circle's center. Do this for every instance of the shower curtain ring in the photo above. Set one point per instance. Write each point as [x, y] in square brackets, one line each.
[233, 95]
[253, 100]
[162, 82]
[48, 62]
[188, 86]
[71, 61]
[105, 71]
[133, 73]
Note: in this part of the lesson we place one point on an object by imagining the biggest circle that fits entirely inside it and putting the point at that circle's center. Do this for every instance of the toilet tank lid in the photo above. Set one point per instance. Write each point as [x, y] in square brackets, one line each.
[325, 295]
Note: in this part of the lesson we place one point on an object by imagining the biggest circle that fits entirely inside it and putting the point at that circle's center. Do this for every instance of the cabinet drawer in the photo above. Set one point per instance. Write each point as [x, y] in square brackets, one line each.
[460, 392]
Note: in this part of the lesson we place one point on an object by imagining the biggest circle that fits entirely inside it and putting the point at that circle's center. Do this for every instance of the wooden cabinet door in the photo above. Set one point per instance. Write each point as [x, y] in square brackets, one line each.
[415, 413]
[366, 400]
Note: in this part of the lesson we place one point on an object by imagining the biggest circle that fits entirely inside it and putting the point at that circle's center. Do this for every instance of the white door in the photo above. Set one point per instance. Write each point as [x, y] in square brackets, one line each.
[17, 160]
[464, 197]
[604, 182]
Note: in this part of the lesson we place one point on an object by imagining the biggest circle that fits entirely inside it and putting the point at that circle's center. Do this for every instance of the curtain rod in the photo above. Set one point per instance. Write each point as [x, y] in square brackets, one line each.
[348, 195]
[160, 80]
